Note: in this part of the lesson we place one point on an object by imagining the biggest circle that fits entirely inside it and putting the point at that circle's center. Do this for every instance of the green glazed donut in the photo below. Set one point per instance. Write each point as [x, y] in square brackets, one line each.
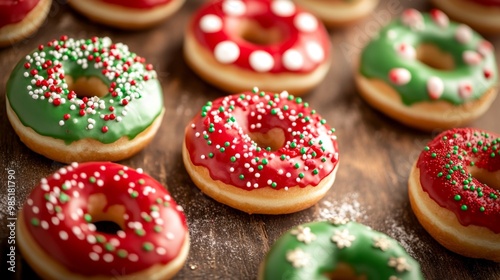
[318, 250]
[123, 100]
[427, 59]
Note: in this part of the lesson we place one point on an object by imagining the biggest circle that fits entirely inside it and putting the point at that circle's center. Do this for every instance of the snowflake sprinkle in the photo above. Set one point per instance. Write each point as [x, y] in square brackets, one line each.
[304, 234]
[381, 243]
[400, 264]
[298, 258]
[343, 239]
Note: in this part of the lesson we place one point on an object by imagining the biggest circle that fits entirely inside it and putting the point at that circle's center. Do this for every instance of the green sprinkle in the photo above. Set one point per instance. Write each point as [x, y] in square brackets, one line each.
[209, 142]
[303, 150]
[147, 246]
[92, 179]
[260, 167]
[63, 198]
[427, 148]
[457, 197]
[109, 247]
[242, 176]
[448, 177]
[463, 207]
[65, 187]
[233, 159]
[293, 145]
[315, 171]
[154, 208]
[296, 166]
[264, 161]
[301, 175]
[282, 157]
[88, 218]
[134, 194]
[492, 155]
[157, 228]
[481, 209]
[35, 222]
[141, 181]
[122, 253]
[273, 184]
[274, 111]
[323, 159]
[298, 100]
[433, 155]
[140, 232]
[474, 150]
[440, 174]
[479, 143]
[222, 149]
[323, 121]
[285, 107]
[58, 209]
[100, 238]
[210, 155]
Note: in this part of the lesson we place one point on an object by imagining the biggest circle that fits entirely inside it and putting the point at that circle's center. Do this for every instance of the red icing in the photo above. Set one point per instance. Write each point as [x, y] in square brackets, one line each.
[234, 117]
[487, 2]
[260, 11]
[13, 11]
[75, 252]
[138, 4]
[469, 144]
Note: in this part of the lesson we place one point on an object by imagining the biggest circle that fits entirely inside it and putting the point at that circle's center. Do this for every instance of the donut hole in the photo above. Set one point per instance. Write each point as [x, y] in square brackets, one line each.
[274, 139]
[344, 271]
[253, 32]
[434, 57]
[86, 86]
[106, 219]
[492, 179]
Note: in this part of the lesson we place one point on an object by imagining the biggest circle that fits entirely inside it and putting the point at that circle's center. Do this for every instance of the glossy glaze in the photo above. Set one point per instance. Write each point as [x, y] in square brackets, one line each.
[391, 57]
[40, 97]
[313, 250]
[444, 174]
[57, 216]
[138, 4]
[13, 11]
[219, 139]
[303, 47]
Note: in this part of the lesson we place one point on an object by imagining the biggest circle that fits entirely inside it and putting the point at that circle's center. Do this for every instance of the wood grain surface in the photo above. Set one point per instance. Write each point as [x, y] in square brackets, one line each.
[376, 154]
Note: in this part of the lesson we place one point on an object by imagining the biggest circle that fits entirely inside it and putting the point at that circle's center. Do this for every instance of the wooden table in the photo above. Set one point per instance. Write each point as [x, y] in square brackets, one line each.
[376, 154]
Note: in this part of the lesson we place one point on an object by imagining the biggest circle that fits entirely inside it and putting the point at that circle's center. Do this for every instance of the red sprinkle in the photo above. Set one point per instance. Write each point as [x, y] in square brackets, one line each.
[56, 102]
[27, 65]
[111, 108]
[34, 72]
[124, 101]
[104, 129]
[40, 47]
[82, 112]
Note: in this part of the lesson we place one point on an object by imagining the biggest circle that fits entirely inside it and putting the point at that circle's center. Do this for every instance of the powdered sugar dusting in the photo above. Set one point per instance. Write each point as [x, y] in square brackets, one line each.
[406, 236]
[348, 207]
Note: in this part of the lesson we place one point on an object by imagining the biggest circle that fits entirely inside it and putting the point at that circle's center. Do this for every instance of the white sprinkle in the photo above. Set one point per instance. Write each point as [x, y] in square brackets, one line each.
[107, 257]
[93, 256]
[63, 235]
[463, 34]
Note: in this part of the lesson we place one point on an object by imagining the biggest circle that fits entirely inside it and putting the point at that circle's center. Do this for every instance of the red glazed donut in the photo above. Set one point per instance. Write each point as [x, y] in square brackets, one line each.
[261, 153]
[58, 237]
[454, 191]
[238, 44]
[20, 19]
[482, 15]
[127, 14]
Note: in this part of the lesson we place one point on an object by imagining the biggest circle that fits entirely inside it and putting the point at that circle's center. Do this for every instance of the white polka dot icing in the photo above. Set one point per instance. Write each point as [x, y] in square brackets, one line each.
[210, 23]
[226, 52]
[315, 51]
[261, 61]
[234, 7]
[283, 8]
[293, 60]
[306, 22]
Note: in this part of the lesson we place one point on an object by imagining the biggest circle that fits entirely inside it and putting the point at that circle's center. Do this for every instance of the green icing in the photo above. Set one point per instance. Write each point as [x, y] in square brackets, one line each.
[380, 56]
[113, 64]
[322, 254]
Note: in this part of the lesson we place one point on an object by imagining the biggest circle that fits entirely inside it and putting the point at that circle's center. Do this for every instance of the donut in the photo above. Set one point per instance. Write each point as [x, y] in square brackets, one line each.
[84, 100]
[127, 14]
[428, 72]
[238, 44]
[337, 249]
[339, 12]
[455, 193]
[60, 236]
[482, 15]
[261, 152]
[20, 19]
